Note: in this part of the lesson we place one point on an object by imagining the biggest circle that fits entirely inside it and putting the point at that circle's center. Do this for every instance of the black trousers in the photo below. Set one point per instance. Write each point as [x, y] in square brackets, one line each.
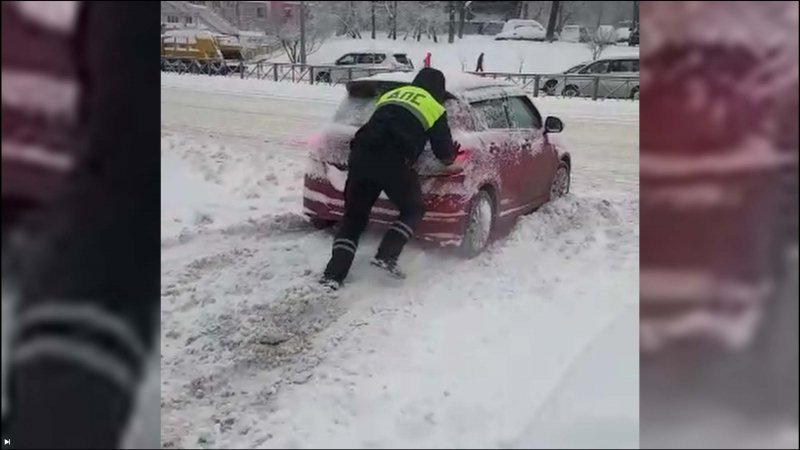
[371, 172]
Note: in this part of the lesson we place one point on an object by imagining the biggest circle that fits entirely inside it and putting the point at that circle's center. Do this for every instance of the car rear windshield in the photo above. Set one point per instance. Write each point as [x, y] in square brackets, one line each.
[356, 109]
[402, 59]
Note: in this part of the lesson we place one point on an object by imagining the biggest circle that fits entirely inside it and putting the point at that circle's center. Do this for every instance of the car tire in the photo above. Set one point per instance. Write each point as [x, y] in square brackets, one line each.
[479, 225]
[323, 77]
[570, 91]
[635, 93]
[322, 224]
[550, 86]
[561, 181]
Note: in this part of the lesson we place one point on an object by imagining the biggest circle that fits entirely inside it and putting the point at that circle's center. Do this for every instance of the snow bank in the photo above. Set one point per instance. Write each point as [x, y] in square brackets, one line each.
[207, 187]
[253, 87]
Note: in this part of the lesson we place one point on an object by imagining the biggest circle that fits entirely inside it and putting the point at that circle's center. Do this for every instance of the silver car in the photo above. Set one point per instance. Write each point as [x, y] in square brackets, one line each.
[619, 78]
[363, 64]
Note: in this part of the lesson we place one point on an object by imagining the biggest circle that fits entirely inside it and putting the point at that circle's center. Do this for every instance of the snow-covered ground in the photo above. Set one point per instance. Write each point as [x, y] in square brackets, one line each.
[534, 343]
[499, 56]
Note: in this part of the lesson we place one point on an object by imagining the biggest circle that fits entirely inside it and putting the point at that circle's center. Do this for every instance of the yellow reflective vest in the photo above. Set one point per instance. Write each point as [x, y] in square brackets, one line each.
[416, 100]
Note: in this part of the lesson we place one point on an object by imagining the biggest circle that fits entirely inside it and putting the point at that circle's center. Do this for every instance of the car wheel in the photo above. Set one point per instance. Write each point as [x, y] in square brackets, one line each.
[550, 86]
[571, 91]
[561, 180]
[480, 222]
[322, 224]
[323, 77]
[635, 93]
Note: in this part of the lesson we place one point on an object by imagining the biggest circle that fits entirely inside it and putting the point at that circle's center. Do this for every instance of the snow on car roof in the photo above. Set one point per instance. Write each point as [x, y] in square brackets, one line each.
[456, 81]
[471, 87]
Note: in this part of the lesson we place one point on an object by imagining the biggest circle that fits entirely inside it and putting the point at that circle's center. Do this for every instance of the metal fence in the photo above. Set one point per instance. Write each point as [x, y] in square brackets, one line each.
[566, 85]
[275, 71]
[571, 85]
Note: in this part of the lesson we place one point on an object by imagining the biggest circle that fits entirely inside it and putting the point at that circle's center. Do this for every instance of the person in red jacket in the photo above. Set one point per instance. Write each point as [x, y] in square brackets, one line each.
[427, 61]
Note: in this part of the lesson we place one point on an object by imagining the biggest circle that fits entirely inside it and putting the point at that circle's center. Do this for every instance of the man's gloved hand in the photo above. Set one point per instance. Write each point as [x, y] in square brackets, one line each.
[458, 154]
[457, 149]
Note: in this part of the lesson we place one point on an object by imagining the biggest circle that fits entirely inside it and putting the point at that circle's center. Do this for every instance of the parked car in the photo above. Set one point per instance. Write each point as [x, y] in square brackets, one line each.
[360, 64]
[574, 33]
[549, 85]
[511, 165]
[606, 33]
[623, 34]
[491, 28]
[513, 24]
[609, 85]
[519, 30]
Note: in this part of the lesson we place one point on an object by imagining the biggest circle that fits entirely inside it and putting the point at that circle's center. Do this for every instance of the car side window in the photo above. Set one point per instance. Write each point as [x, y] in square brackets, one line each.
[366, 58]
[492, 113]
[460, 116]
[624, 66]
[379, 58]
[598, 67]
[523, 113]
[346, 60]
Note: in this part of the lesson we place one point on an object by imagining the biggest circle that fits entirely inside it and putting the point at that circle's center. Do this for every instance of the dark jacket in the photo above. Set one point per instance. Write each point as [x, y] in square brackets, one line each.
[395, 129]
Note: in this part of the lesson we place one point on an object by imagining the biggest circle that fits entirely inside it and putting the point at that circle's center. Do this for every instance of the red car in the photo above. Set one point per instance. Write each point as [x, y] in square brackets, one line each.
[510, 168]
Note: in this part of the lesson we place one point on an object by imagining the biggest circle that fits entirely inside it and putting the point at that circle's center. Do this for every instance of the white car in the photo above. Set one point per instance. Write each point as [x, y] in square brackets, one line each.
[623, 34]
[363, 64]
[522, 30]
[611, 84]
[513, 24]
[606, 33]
[574, 33]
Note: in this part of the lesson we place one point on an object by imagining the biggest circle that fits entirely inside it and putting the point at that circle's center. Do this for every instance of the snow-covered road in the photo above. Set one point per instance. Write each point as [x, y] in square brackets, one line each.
[534, 343]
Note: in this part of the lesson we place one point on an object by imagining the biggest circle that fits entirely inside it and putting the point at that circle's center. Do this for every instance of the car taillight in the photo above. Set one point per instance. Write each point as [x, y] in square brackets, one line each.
[314, 140]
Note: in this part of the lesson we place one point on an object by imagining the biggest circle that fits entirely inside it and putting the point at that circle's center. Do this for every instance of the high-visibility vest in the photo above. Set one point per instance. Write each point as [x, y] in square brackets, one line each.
[416, 100]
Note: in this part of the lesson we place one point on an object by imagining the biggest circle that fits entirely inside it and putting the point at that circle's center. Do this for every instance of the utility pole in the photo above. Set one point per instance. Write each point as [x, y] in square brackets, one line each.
[302, 32]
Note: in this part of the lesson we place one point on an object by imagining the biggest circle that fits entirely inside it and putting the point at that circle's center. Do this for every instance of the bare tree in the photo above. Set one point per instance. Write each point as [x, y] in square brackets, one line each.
[354, 25]
[288, 37]
[551, 23]
[566, 11]
[462, 15]
[600, 13]
[537, 9]
[303, 49]
[422, 18]
[451, 22]
[372, 7]
[598, 42]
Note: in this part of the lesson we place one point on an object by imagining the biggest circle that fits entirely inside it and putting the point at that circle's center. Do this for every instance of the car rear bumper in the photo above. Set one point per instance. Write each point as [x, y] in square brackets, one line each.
[442, 223]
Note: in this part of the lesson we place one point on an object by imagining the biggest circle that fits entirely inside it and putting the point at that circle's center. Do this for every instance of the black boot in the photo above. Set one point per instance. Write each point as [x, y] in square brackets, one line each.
[330, 283]
[389, 265]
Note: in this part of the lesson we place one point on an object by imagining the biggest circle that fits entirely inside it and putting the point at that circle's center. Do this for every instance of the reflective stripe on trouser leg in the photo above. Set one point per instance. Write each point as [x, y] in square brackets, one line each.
[393, 241]
[342, 255]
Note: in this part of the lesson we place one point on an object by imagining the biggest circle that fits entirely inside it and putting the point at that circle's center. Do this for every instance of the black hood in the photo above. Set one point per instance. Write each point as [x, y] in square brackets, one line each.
[432, 81]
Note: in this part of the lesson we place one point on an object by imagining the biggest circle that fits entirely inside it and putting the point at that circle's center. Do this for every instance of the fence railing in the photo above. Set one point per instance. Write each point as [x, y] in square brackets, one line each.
[566, 85]
[572, 85]
[275, 71]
